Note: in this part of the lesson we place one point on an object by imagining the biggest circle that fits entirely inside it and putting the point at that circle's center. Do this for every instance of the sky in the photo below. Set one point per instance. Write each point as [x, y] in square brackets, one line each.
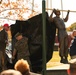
[66, 5]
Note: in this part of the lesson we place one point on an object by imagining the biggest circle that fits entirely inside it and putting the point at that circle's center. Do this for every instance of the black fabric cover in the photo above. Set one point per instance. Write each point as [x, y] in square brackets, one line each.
[32, 28]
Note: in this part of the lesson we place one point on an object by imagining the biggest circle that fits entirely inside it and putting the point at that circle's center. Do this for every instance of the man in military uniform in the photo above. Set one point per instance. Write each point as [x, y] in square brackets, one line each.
[62, 34]
[21, 48]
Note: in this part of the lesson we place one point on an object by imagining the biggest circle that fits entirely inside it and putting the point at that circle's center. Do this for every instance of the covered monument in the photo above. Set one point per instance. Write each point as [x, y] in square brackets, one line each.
[32, 28]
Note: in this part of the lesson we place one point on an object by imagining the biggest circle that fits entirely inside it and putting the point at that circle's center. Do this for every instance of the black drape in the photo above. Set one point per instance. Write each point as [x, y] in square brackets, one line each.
[32, 28]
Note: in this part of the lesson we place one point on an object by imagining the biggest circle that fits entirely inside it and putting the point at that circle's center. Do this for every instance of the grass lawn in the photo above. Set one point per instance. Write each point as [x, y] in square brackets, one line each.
[55, 60]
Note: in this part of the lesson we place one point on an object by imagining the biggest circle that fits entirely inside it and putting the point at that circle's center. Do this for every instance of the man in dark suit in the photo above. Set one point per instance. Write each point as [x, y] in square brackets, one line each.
[3, 43]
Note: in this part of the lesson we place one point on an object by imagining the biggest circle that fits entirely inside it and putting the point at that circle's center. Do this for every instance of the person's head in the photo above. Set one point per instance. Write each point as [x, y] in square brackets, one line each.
[74, 33]
[22, 66]
[57, 12]
[18, 36]
[10, 72]
[6, 27]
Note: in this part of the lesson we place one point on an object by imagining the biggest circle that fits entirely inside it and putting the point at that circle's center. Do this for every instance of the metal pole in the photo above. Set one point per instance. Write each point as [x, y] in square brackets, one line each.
[62, 7]
[51, 3]
[44, 37]
[47, 4]
[62, 10]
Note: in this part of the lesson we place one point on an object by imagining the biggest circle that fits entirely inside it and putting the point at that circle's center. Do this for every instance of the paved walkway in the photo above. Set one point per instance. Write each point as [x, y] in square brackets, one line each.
[58, 66]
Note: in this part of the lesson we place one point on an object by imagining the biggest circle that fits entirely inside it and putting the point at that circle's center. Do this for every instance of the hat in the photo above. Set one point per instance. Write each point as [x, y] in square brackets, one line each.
[17, 34]
[6, 25]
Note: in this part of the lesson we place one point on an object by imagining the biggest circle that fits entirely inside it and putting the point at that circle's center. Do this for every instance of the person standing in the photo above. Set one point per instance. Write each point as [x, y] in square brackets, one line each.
[3, 43]
[21, 48]
[62, 34]
[72, 49]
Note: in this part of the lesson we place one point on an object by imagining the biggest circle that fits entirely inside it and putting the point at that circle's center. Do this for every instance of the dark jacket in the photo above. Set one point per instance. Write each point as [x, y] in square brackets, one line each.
[3, 39]
[73, 47]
